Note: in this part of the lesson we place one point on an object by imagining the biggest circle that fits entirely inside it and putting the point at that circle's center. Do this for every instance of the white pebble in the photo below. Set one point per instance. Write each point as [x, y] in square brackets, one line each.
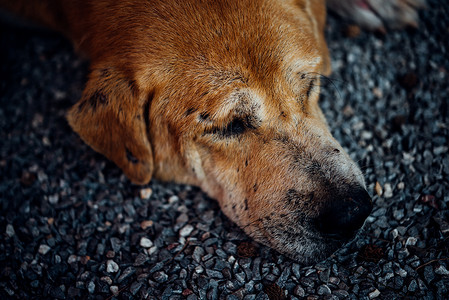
[374, 294]
[441, 270]
[186, 230]
[53, 199]
[411, 241]
[145, 242]
[388, 191]
[173, 199]
[152, 250]
[111, 266]
[145, 194]
[114, 289]
[43, 249]
[72, 259]
[394, 233]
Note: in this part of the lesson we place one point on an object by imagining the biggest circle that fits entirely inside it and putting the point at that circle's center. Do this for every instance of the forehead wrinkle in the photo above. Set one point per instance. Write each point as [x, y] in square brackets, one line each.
[240, 102]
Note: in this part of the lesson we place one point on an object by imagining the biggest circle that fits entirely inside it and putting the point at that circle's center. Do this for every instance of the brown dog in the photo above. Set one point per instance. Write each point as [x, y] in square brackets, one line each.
[221, 94]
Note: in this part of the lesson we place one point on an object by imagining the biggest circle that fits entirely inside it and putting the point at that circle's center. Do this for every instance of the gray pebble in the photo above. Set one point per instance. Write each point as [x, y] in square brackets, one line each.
[441, 270]
[91, 287]
[128, 272]
[160, 277]
[324, 290]
[10, 232]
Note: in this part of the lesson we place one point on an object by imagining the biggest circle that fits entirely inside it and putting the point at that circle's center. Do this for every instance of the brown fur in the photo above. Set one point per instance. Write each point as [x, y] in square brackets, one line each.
[219, 94]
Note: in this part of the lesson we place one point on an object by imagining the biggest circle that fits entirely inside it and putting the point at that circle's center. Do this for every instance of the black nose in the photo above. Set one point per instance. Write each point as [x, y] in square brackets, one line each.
[343, 216]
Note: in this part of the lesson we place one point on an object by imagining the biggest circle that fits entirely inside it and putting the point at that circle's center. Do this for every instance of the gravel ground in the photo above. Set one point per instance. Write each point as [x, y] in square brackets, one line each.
[72, 226]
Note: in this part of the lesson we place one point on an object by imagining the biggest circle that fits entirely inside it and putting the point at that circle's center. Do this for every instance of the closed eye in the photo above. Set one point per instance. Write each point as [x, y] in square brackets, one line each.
[236, 127]
[308, 84]
[310, 88]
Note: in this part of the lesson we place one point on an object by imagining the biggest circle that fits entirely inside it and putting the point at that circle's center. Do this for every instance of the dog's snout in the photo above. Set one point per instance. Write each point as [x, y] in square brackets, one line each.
[341, 218]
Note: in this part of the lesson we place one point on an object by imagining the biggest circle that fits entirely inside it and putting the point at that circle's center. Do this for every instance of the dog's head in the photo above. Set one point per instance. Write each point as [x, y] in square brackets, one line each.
[226, 97]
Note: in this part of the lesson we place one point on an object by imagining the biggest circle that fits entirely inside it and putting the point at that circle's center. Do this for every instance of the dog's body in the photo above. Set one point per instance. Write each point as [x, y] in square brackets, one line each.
[223, 95]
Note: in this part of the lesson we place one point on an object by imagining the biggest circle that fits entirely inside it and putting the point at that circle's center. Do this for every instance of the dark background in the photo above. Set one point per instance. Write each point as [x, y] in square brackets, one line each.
[67, 214]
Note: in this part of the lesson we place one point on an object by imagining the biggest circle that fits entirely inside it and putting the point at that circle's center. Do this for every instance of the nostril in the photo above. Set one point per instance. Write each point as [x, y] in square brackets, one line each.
[336, 150]
[344, 216]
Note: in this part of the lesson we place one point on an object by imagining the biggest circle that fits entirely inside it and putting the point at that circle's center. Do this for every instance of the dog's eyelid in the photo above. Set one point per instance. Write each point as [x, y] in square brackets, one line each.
[310, 87]
[238, 126]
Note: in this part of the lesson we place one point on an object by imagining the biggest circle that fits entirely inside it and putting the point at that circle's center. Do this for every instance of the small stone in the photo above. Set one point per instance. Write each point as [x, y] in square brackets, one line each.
[388, 191]
[152, 250]
[84, 259]
[403, 253]
[114, 290]
[296, 269]
[106, 279]
[140, 259]
[146, 224]
[198, 253]
[429, 274]
[91, 287]
[160, 277]
[43, 249]
[135, 287]
[10, 232]
[186, 230]
[394, 233]
[72, 259]
[398, 214]
[128, 272]
[411, 241]
[430, 200]
[402, 273]
[334, 280]
[378, 189]
[111, 266]
[307, 282]
[173, 199]
[53, 199]
[323, 290]
[440, 150]
[145, 193]
[374, 294]
[324, 275]
[341, 294]
[199, 269]
[299, 291]
[412, 287]
[110, 254]
[182, 219]
[214, 274]
[145, 242]
[441, 270]
[377, 92]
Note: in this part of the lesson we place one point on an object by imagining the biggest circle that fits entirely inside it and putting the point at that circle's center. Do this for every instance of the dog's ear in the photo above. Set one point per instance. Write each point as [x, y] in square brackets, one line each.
[112, 118]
